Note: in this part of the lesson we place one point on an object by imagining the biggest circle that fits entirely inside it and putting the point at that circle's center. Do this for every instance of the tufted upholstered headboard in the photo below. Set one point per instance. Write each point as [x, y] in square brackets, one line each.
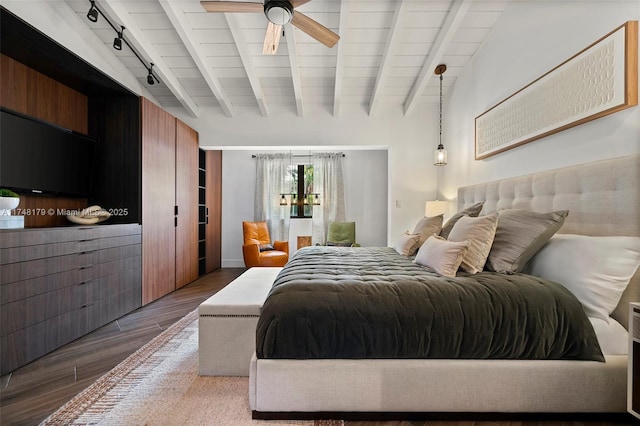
[603, 198]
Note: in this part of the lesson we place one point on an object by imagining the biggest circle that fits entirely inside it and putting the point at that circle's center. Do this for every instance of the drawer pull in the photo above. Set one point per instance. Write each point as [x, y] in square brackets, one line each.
[86, 267]
[88, 252]
[86, 282]
[89, 239]
[87, 305]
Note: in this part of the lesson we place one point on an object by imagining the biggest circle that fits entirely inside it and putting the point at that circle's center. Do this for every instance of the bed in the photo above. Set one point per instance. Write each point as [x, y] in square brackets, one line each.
[347, 381]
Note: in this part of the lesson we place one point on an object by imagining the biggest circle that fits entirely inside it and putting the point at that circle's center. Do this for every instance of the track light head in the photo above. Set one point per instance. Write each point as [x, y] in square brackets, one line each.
[117, 42]
[92, 14]
[150, 79]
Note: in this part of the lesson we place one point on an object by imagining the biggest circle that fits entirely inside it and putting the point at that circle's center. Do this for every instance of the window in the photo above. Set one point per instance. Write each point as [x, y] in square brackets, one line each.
[302, 198]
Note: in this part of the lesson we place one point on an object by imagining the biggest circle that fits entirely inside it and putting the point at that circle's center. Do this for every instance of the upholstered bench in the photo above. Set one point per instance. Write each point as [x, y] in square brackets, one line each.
[227, 323]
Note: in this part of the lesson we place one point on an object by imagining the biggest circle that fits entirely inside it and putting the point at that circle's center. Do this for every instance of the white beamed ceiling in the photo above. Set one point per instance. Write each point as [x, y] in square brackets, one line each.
[386, 55]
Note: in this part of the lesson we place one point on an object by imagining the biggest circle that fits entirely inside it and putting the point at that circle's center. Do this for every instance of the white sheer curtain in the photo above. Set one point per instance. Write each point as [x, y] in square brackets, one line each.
[271, 171]
[329, 182]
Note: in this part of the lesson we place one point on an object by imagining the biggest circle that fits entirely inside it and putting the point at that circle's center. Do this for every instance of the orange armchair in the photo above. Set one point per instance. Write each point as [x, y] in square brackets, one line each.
[257, 249]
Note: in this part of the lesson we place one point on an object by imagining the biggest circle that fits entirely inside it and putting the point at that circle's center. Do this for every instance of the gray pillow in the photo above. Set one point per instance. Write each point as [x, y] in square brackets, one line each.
[472, 211]
[426, 227]
[519, 235]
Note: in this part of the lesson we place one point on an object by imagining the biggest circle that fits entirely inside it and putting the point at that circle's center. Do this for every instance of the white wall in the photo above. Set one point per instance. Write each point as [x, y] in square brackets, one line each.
[530, 39]
[365, 176]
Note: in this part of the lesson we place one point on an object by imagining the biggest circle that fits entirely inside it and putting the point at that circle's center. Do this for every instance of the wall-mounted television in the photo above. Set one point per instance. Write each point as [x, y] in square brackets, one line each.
[40, 158]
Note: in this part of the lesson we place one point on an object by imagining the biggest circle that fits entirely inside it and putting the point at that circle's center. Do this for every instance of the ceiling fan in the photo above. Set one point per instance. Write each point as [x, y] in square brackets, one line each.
[278, 13]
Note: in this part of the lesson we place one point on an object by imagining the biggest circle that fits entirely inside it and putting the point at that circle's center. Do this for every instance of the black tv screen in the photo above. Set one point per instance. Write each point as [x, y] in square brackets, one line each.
[37, 157]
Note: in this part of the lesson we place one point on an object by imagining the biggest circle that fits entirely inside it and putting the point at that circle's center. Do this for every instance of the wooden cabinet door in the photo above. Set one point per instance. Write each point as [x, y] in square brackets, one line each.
[187, 202]
[214, 208]
[158, 201]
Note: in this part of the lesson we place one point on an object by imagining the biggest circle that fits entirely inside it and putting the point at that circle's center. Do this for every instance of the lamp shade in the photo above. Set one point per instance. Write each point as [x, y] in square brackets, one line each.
[435, 208]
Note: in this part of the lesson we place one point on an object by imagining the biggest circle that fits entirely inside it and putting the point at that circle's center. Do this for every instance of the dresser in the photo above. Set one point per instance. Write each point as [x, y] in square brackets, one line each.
[58, 284]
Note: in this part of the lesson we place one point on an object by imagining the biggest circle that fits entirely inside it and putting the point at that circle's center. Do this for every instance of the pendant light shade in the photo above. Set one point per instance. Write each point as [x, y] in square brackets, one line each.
[440, 157]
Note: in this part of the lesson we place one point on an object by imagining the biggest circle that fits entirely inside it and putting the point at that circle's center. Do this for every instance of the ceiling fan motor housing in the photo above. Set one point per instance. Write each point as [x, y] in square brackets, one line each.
[278, 12]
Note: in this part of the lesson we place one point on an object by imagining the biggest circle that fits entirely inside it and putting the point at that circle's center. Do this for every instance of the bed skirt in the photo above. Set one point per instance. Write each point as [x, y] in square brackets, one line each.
[439, 386]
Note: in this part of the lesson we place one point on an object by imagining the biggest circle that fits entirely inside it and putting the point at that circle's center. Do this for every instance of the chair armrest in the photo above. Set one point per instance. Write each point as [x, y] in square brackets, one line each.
[281, 246]
[251, 253]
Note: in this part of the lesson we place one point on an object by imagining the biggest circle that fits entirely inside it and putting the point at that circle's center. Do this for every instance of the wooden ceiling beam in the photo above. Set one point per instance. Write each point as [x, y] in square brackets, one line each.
[454, 18]
[295, 68]
[340, 55]
[387, 57]
[182, 27]
[247, 62]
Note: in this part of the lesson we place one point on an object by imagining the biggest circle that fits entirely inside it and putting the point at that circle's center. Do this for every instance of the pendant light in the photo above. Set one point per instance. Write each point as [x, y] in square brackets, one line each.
[440, 157]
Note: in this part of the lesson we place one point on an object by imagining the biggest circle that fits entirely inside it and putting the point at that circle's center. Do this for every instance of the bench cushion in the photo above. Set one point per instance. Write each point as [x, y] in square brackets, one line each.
[243, 296]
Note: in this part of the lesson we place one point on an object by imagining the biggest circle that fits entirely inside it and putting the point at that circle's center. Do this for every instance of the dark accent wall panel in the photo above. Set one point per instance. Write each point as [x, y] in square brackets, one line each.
[115, 121]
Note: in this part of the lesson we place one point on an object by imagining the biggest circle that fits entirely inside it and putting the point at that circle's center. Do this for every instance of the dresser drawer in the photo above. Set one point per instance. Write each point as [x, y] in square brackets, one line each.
[22, 271]
[26, 253]
[44, 284]
[40, 236]
[109, 242]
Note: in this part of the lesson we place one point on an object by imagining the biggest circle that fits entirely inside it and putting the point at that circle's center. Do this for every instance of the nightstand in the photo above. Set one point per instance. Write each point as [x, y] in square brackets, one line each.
[633, 369]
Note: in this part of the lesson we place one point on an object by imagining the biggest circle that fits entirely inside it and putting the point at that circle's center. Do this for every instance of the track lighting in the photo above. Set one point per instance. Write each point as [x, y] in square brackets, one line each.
[92, 14]
[117, 42]
[150, 77]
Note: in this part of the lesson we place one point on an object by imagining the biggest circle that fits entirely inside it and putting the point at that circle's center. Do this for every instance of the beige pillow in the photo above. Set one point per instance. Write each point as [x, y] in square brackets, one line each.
[479, 231]
[443, 256]
[519, 235]
[427, 226]
[407, 244]
[472, 211]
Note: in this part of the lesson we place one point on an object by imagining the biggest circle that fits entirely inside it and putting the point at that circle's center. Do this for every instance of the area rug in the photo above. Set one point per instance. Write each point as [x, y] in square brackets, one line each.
[159, 385]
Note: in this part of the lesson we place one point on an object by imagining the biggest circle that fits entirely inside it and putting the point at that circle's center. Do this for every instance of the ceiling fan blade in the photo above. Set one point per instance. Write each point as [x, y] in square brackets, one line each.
[232, 6]
[296, 3]
[271, 39]
[314, 29]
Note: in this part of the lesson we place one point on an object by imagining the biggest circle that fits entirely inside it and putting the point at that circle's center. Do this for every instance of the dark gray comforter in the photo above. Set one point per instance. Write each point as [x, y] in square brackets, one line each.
[373, 303]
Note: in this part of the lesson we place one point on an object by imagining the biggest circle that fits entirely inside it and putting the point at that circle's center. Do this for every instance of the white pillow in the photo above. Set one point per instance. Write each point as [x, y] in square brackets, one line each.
[407, 244]
[612, 337]
[595, 269]
[441, 255]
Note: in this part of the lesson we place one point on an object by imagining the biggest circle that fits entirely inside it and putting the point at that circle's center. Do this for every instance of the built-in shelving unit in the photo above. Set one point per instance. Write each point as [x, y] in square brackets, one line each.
[202, 212]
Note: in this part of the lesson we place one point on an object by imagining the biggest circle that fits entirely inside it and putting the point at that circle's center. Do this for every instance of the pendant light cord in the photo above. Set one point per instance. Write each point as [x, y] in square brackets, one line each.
[440, 111]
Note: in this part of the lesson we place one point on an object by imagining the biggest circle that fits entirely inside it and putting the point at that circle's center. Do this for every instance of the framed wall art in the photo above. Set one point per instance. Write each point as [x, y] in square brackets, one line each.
[599, 80]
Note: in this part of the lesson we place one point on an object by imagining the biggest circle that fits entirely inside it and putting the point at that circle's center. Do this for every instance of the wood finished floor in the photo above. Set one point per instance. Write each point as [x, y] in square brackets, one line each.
[29, 394]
